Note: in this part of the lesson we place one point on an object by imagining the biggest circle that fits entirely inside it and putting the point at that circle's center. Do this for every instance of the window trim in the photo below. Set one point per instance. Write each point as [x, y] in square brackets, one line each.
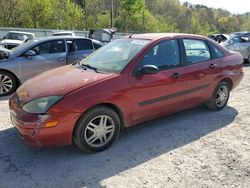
[151, 47]
[79, 39]
[185, 55]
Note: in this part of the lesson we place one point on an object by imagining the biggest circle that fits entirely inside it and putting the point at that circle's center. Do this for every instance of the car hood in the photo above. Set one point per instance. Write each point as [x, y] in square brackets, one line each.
[10, 41]
[58, 82]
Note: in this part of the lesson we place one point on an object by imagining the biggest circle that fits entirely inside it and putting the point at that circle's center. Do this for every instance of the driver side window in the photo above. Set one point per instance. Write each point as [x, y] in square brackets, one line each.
[164, 55]
[56, 46]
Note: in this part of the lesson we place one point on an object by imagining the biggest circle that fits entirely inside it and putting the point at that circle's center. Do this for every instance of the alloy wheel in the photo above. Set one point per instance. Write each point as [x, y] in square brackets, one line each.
[222, 96]
[6, 84]
[99, 131]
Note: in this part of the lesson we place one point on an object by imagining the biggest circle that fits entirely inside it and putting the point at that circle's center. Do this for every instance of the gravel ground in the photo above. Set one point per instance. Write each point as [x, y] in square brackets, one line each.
[195, 148]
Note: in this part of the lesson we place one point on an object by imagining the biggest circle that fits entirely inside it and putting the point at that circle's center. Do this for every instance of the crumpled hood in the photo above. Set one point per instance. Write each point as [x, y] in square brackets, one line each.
[58, 82]
[10, 41]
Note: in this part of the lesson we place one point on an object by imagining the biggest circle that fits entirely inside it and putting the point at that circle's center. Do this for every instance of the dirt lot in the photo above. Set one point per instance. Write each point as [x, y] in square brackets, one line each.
[195, 148]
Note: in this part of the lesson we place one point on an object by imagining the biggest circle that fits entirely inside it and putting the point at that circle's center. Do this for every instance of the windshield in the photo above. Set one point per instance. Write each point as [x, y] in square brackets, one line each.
[116, 55]
[20, 48]
[19, 36]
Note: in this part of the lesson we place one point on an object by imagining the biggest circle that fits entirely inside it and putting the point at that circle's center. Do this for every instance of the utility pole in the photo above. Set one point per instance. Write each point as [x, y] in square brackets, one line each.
[111, 12]
[85, 14]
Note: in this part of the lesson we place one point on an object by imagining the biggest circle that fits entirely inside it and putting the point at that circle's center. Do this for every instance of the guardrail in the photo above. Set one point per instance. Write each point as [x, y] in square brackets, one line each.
[48, 32]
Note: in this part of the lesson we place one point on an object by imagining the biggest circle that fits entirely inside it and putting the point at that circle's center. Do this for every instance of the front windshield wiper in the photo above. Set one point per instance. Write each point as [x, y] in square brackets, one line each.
[88, 66]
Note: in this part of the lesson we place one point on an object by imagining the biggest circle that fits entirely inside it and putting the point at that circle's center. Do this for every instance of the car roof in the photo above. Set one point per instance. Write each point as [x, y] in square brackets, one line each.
[21, 32]
[155, 36]
[61, 37]
[59, 32]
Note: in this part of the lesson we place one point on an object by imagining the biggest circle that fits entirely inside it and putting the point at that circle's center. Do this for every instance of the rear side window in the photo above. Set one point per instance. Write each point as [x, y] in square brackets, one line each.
[196, 51]
[55, 46]
[217, 51]
[79, 44]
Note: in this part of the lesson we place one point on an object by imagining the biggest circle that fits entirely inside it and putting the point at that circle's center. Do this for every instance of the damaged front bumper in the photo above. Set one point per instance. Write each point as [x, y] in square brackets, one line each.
[32, 127]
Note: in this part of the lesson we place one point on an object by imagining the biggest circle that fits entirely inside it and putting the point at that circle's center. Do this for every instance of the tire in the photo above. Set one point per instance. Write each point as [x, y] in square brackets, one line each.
[220, 97]
[8, 83]
[96, 125]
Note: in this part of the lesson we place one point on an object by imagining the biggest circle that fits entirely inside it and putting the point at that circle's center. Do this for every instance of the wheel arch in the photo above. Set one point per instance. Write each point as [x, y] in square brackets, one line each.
[17, 79]
[109, 105]
[229, 81]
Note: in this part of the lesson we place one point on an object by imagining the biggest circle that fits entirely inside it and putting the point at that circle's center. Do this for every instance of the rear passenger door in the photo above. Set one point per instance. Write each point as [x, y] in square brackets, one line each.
[78, 49]
[202, 68]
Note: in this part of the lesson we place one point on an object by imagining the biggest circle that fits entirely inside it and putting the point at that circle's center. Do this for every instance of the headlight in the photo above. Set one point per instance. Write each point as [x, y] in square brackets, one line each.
[41, 105]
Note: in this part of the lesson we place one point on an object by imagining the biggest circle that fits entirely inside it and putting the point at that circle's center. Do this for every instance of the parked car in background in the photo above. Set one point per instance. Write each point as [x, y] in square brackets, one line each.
[238, 33]
[239, 43]
[64, 33]
[104, 35]
[219, 37]
[39, 55]
[4, 53]
[126, 82]
[15, 38]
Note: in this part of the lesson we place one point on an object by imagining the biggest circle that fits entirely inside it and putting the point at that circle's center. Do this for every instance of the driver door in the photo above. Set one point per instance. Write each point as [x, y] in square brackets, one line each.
[154, 95]
[48, 55]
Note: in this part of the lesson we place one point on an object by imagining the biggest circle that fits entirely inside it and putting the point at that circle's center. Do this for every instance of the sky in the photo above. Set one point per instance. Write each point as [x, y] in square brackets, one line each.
[234, 6]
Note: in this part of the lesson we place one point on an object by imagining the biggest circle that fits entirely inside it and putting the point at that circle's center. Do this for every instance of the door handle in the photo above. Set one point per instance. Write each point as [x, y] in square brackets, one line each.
[61, 59]
[212, 66]
[176, 75]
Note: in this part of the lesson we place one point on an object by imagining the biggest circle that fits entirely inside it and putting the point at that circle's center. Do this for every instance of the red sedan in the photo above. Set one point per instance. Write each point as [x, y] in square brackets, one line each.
[128, 81]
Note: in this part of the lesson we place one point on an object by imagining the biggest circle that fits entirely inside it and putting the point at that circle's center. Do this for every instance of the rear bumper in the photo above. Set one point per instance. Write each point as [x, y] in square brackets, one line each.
[31, 128]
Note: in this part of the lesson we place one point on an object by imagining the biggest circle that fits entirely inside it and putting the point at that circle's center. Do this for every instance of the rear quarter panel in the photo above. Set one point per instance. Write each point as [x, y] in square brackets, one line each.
[231, 68]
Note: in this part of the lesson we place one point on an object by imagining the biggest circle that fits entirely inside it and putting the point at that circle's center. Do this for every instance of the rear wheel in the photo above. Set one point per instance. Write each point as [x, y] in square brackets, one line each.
[8, 83]
[97, 129]
[220, 97]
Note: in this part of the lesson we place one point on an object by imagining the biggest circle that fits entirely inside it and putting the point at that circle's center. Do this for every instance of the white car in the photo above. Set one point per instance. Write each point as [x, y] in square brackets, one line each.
[64, 33]
[15, 38]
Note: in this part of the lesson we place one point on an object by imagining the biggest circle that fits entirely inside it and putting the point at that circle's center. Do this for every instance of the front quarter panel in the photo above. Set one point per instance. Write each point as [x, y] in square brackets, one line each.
[12, 66]
[112, 91]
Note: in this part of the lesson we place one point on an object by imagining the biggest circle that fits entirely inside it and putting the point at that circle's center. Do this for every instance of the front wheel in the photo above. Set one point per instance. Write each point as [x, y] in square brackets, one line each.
[8, 83]
[220, 97]
[97, 129]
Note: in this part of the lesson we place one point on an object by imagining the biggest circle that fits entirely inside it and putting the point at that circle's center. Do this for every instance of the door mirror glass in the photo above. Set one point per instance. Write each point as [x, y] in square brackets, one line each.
[148, 69]
[29, 53]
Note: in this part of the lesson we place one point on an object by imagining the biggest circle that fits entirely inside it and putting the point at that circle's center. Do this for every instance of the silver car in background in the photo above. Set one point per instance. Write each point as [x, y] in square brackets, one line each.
[39, 55]
[239, 43]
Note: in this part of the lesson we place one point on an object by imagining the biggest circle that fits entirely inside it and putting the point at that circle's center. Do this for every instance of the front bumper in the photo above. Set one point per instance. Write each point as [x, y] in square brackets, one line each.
[32, 130]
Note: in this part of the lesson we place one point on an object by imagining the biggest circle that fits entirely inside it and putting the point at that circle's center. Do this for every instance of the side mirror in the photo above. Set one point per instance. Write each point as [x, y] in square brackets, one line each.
[148, 69]
[4, 37]
[29, 53]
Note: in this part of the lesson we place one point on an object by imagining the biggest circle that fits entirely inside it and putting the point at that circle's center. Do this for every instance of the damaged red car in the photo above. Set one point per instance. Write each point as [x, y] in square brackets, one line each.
[127, 82]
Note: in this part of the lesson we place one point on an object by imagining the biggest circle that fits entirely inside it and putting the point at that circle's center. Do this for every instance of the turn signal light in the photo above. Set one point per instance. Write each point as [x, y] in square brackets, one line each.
[51, 124]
